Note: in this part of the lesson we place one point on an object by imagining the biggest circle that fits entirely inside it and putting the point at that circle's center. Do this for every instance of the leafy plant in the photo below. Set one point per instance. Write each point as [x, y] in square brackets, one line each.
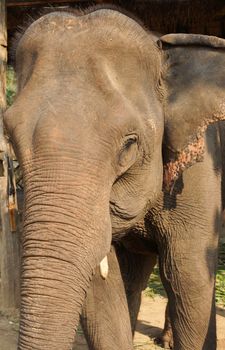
[220, 277]
[10, 86]
[155, 286]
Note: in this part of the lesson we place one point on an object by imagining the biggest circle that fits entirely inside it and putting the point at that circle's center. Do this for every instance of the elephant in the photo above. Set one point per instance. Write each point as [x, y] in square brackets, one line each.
[118, 136]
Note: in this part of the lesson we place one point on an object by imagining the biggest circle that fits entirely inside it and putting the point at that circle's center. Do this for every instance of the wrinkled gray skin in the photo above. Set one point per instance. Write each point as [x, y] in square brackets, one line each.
[101, 110]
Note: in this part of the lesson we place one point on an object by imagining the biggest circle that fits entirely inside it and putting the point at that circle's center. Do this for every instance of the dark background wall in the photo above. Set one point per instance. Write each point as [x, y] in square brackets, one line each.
[165, 16]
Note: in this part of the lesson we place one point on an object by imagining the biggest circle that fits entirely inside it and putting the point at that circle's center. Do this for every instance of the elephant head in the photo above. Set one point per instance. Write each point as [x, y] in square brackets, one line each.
[97, 99]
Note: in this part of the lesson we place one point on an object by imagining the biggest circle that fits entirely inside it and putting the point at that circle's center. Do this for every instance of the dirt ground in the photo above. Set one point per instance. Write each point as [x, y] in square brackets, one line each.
[150, 323]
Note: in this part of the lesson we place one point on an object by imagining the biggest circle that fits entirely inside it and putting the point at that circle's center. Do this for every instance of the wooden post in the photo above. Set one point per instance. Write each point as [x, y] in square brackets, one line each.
[9, 244]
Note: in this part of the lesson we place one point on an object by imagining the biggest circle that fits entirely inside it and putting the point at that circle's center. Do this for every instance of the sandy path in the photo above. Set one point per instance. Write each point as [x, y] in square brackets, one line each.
[150, 323]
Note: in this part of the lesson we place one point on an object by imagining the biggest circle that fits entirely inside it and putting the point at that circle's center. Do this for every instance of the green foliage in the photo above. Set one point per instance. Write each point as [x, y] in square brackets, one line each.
[10, 86]
[220, 277]
[155, 286]
[220, 286]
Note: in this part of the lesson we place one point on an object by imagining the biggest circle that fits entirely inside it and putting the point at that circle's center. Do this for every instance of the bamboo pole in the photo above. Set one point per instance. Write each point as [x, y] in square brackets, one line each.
[9, 243]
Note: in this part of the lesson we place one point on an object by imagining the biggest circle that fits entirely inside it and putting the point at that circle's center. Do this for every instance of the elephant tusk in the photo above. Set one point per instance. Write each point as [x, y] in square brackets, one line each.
[104, 268]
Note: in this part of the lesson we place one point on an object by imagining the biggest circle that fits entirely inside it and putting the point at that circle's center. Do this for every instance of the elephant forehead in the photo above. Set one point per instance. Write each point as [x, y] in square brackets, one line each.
[107, 77]
[75, 49]
[53, 23]
[92, 63]
[109, 32]
[106, 22]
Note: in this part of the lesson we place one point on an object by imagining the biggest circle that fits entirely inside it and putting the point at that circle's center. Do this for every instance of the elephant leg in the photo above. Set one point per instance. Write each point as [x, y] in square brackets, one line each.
[210, 340]
[191, 311]
[135, 269]
[188, 244]
[105, 317]
[166, 337]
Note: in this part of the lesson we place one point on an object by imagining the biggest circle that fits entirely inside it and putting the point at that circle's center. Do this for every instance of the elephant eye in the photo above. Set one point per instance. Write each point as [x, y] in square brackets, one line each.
[128, 152]
[130, 140]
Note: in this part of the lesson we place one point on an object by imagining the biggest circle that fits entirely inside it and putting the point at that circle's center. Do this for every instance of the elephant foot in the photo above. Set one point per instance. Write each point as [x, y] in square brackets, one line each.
[165, 340]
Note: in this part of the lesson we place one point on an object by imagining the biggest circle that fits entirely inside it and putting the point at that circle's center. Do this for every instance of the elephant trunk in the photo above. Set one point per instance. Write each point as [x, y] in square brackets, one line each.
[67, 232]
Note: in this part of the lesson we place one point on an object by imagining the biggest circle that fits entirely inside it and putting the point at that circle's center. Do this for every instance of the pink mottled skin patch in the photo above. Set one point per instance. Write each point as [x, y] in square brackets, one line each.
[191, 154]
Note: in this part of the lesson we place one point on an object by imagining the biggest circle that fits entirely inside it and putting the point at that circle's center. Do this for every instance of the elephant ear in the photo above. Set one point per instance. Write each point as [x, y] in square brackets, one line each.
[193, 77]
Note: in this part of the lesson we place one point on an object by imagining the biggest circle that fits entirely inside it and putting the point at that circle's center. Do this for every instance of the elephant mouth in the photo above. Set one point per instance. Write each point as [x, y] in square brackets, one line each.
[123, 220]
[118, 211]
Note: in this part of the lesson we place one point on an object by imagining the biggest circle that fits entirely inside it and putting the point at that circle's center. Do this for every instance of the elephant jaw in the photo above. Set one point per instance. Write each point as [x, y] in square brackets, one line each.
[190, 155]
